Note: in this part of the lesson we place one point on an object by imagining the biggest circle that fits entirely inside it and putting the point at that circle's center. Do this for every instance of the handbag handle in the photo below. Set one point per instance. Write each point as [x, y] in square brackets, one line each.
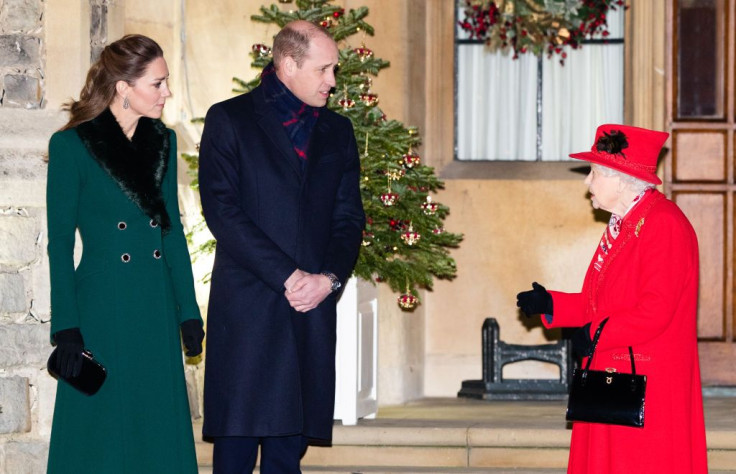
[595, 344]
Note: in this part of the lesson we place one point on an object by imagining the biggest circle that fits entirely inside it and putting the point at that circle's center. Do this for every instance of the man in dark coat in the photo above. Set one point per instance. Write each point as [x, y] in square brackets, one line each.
[279, 182]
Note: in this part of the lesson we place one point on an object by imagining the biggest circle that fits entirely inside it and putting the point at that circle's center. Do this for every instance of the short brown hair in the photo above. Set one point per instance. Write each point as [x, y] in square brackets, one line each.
[294, 42]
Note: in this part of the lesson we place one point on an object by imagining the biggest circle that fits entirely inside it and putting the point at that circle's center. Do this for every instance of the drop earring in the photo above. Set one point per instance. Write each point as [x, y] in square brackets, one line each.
[126, 104]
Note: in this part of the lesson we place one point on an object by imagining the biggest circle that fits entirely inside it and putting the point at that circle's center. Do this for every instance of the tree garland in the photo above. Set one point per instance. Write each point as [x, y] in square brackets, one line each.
[536, 26]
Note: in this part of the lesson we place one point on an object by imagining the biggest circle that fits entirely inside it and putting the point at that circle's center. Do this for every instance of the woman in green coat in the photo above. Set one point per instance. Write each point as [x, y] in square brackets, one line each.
[112, 177]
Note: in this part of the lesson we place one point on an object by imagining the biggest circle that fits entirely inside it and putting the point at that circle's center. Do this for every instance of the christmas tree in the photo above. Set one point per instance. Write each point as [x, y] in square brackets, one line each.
[404, 242]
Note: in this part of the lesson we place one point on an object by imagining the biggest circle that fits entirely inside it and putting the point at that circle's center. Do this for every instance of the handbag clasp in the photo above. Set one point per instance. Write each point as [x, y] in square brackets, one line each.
[609, 379]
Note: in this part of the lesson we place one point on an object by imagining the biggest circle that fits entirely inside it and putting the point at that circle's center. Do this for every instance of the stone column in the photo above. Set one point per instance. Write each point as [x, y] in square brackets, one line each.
[107, 20]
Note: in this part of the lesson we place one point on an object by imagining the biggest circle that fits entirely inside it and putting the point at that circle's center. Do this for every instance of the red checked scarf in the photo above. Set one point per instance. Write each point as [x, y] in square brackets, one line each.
[297, 117]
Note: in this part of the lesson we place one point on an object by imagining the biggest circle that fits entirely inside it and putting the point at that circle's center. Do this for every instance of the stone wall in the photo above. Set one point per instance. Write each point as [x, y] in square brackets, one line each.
[21, 54]
[26, 390]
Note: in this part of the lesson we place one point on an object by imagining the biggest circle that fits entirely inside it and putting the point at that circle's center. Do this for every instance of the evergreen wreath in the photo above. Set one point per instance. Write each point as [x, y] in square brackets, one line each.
[536, 26]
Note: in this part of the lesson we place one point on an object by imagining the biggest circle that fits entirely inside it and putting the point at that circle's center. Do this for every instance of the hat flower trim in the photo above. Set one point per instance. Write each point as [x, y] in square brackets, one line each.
[612, 143]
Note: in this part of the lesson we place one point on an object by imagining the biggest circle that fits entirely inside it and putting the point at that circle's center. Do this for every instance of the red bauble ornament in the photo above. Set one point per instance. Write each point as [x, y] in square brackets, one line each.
[389, 199]
[261, 49]
[369, 99]
[346, 103]
[429, 207]
[363, 52]
[408, 301]
[410, 159]
[397, 224]
[410, 237]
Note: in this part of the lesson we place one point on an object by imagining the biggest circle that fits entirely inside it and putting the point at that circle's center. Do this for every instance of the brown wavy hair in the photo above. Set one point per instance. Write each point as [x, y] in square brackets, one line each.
[123, 60]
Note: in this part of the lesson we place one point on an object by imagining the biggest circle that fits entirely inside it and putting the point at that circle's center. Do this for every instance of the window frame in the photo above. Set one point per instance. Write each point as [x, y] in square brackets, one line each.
[457, 42]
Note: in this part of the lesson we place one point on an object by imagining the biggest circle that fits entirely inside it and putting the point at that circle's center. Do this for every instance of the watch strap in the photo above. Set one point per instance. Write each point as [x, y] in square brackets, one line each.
[333, 280]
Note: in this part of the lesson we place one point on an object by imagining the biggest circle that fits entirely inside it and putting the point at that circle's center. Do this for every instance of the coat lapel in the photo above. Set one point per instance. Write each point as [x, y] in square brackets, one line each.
[320, 134]
[275, 131]
[630, 229]
[138, 167]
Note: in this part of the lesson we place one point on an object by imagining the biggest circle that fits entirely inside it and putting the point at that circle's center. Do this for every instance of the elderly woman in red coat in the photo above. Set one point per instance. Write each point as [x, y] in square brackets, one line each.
[644, 278]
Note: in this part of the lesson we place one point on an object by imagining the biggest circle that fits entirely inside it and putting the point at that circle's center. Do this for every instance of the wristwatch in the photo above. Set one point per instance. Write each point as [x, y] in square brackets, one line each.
[333, 279]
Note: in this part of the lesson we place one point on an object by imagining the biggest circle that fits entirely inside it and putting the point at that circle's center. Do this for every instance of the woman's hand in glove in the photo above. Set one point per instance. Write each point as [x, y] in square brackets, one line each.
[69, 347]
[192, 336]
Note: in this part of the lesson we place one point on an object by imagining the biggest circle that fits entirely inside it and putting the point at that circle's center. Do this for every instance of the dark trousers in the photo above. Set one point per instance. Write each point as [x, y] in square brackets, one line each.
[238, 454]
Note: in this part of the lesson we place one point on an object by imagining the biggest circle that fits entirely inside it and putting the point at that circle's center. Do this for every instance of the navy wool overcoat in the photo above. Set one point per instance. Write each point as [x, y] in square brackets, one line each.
[269, 370]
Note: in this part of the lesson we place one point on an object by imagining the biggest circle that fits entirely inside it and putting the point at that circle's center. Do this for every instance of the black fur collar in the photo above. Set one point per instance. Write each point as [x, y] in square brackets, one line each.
[138, 166]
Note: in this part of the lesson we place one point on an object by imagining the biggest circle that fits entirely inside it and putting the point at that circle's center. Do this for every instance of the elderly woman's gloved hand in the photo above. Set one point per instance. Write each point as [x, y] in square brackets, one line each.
[582, 344]
[536, 301]
[69, 347]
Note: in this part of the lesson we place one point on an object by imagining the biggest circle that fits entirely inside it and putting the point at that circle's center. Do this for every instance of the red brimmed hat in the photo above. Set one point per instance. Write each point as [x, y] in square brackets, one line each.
[631, 150]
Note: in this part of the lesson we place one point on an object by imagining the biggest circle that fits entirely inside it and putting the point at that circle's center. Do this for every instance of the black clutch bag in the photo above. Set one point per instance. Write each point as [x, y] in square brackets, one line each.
[598, 396]
[90, 378]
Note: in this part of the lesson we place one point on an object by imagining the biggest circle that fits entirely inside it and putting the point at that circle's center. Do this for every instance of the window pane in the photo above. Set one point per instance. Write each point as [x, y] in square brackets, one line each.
[584, 93]
[700, 51]
[496, 103]
[497, 96]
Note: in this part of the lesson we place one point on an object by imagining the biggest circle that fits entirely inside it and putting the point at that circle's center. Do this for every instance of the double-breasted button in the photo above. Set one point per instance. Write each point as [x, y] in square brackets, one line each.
[122, 225]
[125, 257]
[157, 254]
[153, 223]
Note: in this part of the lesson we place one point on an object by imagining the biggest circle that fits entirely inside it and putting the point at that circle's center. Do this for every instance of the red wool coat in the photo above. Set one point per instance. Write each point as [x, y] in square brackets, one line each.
[648, 287]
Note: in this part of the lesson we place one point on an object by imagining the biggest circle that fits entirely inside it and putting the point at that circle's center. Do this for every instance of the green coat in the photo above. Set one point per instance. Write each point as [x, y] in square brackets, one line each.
[131, 290]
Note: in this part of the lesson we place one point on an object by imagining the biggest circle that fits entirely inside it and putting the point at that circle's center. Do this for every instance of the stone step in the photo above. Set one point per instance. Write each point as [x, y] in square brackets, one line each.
[385, 447]
[381, 448]
[412, 470]
[465, 436]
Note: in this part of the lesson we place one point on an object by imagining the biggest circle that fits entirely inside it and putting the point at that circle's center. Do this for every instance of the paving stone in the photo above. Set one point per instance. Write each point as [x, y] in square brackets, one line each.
[18, 235]
[19, 51]
[12, 293]
[24, 345]
[21, 15]
[26, 457]
[15, 406]
[22, 90]
[24, 130]
[24, 165]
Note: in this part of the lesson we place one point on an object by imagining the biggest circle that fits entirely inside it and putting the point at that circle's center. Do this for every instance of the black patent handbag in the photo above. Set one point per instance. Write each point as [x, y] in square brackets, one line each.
[607, 396]
[90, 378]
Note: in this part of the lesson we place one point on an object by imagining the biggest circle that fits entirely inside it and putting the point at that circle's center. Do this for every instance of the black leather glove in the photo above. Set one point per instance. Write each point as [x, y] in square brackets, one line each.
[536, 301]
[192, 335]
[69, 347]
[582, 344]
